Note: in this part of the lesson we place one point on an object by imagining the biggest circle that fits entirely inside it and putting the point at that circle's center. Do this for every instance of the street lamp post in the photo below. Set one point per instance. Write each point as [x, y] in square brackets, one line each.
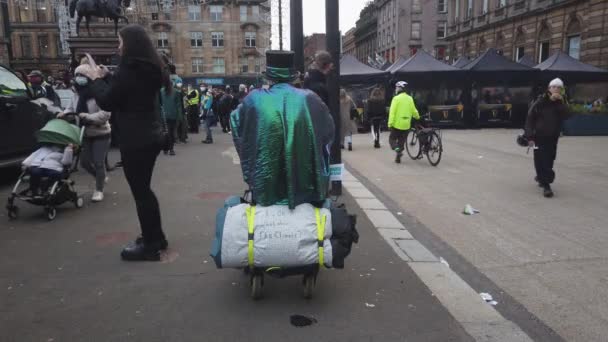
[333, 38]
[297, 34]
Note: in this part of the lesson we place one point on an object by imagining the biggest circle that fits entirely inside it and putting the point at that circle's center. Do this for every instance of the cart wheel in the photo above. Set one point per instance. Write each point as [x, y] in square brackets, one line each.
[51, 213]
[257, 284]
[79, 203]
[13, 212]
[309, 285]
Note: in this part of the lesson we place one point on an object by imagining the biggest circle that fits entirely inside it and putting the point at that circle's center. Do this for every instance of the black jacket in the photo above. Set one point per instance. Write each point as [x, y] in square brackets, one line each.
[317, 82]
[225, 105]
[132, 95]
[545, 117]
[375, 109]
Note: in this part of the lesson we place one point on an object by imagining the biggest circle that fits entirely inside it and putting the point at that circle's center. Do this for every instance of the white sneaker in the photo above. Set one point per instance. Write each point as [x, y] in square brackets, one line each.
[97, 196]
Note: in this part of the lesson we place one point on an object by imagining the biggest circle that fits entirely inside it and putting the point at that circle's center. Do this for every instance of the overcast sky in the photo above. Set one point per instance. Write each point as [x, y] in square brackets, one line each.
[314, 15]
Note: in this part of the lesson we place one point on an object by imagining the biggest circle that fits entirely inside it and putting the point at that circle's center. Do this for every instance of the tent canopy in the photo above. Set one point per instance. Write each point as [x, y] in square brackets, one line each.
[527, 61]
[461, 61]
[397, 63]
[353, 71]
[422, 61]
[492, 67]
[59, 132]
[386, 65]
[562, 65]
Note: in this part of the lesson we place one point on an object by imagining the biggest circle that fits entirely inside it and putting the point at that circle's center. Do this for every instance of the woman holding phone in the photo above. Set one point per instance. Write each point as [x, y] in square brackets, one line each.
[132, 95]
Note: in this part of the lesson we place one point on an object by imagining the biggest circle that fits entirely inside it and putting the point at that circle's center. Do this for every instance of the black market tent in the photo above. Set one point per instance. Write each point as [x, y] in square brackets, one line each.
[461, 61]
[492, 67]
[571, 70]
[527, 61]
[424, 68]
[352, 71]
[397, 63]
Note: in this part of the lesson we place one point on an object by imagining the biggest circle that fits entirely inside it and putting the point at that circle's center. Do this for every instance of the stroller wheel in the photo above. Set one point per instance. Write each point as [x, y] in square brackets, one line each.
[51, 213]
[13, 212]
[79, 202]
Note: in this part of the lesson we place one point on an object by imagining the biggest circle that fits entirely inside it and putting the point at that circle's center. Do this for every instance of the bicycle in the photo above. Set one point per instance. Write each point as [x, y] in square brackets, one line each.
[424, 140]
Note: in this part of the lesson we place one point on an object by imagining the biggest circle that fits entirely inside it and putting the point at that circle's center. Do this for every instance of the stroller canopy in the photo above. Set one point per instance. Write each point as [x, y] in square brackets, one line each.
[59, 132]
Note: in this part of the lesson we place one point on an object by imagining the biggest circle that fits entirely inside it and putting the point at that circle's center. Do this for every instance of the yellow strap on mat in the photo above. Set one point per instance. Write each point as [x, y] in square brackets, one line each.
[321, 220]
[250, 211]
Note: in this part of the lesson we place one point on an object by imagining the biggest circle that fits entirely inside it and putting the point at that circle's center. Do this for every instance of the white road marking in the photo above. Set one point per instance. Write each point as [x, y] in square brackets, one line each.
[231, 153]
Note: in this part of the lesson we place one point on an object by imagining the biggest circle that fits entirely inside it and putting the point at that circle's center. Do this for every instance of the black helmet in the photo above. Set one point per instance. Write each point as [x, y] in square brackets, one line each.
[522, 140]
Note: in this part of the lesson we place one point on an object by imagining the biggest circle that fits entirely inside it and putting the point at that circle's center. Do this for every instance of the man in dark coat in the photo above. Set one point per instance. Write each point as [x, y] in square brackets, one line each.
[543, 128]
[316, 78]
[225, 108]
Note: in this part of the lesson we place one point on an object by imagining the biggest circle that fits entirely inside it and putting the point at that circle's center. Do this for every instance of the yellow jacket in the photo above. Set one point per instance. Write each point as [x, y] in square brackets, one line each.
[402, 111]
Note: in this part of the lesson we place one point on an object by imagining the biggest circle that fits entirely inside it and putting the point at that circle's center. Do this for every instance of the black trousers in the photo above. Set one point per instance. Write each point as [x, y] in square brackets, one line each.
[193, 119]
[397, 139]
[225, 122]
[376, 128]
[172, 128]
[544, 158]
[138, 166]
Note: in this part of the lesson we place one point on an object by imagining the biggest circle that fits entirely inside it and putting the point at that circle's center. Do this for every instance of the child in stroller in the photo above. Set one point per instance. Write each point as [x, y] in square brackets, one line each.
[48, 170]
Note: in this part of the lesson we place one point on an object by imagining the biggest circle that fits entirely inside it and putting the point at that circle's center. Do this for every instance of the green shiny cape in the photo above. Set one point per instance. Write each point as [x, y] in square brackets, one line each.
[283, 137]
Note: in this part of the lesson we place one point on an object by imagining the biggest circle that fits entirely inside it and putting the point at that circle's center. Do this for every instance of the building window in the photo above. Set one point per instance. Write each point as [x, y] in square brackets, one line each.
[469, 13]
[543, 51]
[59, 45]
[441, 6]
[573, 40]
[26, 46]
[413, 50]
[243, 12]
[255, 12]
[574, 46]
[217, 39]
[163, 40]
[440, 53]
[416, 8]
[484, 8]
[456, 10]
[154, 16]
[502, 3]
[519, 53]
[244, 62]
[194, 12]
[219, 65]
[216, 12]
[258, 65]
[394, 33]
[415, 30]
[43, 46]
[441, 29]
[250, 39]
[196, 39]
[23, 10]
[41, 11]
[197, 65]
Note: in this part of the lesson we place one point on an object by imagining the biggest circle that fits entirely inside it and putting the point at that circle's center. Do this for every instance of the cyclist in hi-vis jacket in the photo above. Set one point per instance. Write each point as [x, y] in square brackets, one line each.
[400, 117]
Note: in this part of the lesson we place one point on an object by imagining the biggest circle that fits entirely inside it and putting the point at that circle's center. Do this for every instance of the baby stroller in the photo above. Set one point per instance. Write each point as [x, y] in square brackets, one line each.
[54, 193]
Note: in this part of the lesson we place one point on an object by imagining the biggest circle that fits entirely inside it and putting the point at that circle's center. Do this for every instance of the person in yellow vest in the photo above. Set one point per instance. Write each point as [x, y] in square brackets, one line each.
[400, 117]
[193, 99]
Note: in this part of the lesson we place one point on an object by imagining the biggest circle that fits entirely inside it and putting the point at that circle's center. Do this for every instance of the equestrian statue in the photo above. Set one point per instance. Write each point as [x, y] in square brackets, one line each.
[111, 9]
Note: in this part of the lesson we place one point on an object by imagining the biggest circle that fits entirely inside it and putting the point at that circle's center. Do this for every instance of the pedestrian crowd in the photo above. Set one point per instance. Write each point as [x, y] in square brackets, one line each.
[147, 107]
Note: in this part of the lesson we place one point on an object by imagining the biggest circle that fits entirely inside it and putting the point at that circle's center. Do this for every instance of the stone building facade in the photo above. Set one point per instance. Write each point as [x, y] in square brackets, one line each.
[366, 33]
[404, 26]
[348, 43]
[216, 42]
[313, 43]
[535, 28]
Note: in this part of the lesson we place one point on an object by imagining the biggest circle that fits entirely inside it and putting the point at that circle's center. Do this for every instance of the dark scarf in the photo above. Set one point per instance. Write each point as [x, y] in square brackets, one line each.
[84, 95]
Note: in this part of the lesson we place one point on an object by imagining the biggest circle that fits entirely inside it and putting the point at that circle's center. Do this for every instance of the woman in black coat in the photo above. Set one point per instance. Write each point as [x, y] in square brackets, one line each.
[132, 95]
[375, 110]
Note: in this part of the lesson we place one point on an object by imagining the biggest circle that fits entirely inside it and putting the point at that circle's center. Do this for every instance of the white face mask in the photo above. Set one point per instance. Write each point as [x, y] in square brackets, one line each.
[179, 85]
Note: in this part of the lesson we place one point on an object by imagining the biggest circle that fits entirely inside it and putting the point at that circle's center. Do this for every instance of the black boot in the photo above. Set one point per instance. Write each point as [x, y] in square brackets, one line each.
[547, 191]
[398, 157]
[164, 244]
[376, 144]
[350, 146]
[141, 252]
[208, 141]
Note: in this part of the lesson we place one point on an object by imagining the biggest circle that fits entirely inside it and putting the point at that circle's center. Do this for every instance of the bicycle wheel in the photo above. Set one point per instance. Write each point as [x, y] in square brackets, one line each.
[434, 149]
[412, 145]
